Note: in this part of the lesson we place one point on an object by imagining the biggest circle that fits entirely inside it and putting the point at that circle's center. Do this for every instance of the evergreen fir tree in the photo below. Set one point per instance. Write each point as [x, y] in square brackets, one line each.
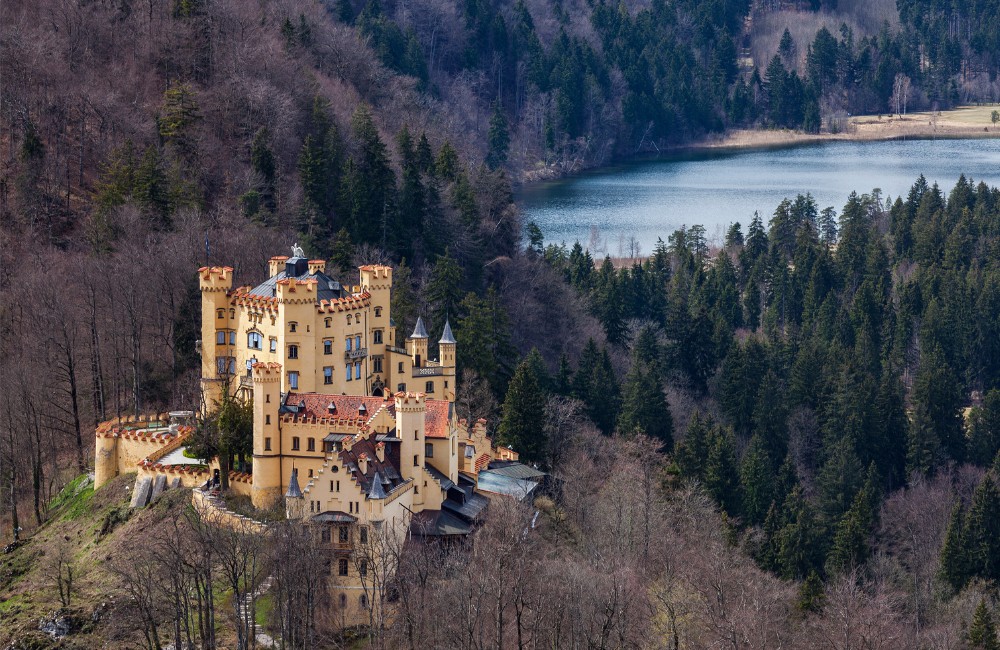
[498, 138]
[523, 415]
[644, 406]
[758, 480]
[954, 554]
[983, 631]
[691, 454]
[812, 594]
[721, 475]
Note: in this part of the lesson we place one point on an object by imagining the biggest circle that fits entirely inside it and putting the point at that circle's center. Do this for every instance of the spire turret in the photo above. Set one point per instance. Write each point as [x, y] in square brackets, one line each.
[447, 336]
[419, 331]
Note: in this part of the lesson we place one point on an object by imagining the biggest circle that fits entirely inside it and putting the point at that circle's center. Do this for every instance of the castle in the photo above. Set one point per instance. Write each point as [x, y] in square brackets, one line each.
[356, 435]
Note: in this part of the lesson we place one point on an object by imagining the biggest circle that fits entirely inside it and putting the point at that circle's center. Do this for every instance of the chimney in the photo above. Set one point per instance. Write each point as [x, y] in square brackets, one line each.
[317, 266]
[380, 452]
[363, 463]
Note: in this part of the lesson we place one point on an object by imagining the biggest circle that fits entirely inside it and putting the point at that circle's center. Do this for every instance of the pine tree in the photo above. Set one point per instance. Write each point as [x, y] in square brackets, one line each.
[984, 430]
[444, 290]
[812, 595]
[721, 475]
[982, 532]
[799, 543]
[523, 416]
[498, 138]
[851, 539]
[644, 406]
[691, 454]
[757, 478]
[838, 481]
[983, 631]
[954, 554]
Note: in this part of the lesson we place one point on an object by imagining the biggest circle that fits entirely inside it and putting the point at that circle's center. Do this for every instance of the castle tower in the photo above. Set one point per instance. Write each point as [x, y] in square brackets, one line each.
[296, 318]
[267, 481]
[410, 412]
[218, 338]
[446, 352]
[417, 344]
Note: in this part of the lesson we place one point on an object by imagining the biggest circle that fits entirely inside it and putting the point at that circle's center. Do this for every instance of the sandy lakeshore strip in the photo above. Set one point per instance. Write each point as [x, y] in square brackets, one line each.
[964, 122]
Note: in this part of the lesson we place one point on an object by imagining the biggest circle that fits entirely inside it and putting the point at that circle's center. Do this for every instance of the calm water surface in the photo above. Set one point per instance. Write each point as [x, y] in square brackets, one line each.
[651, 199]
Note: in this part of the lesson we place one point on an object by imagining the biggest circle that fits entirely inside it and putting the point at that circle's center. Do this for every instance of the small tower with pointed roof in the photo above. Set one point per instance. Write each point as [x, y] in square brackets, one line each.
[446, 351]
[417, 344]
[295, 502]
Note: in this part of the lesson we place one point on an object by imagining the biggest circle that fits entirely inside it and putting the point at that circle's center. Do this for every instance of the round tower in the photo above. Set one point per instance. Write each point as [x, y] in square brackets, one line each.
[105, 458]
[267, 481]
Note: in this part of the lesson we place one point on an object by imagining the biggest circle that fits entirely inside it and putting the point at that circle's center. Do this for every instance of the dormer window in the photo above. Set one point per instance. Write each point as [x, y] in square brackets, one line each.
[331, 408]
[293, 326]
[362, 410]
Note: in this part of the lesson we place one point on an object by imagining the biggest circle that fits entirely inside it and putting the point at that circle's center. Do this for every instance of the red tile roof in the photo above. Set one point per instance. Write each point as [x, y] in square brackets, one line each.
[436, 419]
[482, 462]
[347, 405]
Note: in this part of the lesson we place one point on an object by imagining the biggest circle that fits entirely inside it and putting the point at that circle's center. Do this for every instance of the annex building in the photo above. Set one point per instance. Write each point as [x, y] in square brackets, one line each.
[353, 430]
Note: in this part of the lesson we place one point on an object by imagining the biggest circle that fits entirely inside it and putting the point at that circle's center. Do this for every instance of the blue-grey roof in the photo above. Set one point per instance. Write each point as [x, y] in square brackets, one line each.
[298, 267]
[437, 523]
[419, 331]
[470, 510]
[515, 470]
[516, 488]
[294, 492]
[447, 336]
[375, 490]
[441, 478]
[334, 517]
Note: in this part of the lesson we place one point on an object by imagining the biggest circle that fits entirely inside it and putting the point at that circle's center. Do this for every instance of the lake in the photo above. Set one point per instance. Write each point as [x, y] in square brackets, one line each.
[652, 198]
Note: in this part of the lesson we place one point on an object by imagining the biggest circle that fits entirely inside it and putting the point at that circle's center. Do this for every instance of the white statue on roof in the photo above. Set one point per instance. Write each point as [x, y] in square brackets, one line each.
[297, 251]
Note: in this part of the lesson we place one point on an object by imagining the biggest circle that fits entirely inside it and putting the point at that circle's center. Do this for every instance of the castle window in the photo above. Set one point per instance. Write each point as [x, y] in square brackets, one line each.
[348, 342]
[357, 341]
[293, 352]
[255, 341]
[348, 319]
[225, 365]
[446, 384]
[363, 601]
[324, 535]
[328, 374]
[312, 506]
[377, 337]
[293, 380]
[220, 337]
[428, 450]
[338, 487]
[363, 531]
[295, 443]
[328, 347]
[400, 367]
[232, 337]
[429, 387]
[343, 597]
[416, 434]
[310, 473]
[221, 313]
[377, 364]
[416, 460]
[378, 312]
[357, 370]
[293, 326]
[232, 313]
[401, 388]
[348, 375]
[267, 419]
[342, 570]
[327, 321]
[363, 568]
[267, 444]
[343, 536]
[331, 486]
[311, 446]
[274, 344]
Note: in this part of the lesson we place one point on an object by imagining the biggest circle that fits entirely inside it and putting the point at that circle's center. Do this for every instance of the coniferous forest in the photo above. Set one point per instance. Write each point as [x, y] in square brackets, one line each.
[790, 438]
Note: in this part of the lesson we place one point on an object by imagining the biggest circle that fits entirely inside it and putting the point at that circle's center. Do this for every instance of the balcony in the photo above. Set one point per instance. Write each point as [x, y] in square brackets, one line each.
[360, 353]
[395, 350]
[246, 382]
[432, 371]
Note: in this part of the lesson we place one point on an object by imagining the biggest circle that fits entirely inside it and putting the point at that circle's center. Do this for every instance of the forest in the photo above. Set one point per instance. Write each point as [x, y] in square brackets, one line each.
[788, 438]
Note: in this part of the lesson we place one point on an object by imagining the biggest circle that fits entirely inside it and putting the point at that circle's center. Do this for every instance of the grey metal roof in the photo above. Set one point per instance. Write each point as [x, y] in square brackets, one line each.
[386, 437]
[470, 511]
[336, 437]
[517, 488]
[447, 336]
[334, 517]
[294, 492]
[419, 331]
[515, 470]
[437, 523]
[375, 490]
[440, 477]
[326, 287]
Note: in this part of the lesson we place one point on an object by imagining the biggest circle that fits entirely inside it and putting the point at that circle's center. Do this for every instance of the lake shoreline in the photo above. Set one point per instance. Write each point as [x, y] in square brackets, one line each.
[966, 122]
[959, 123]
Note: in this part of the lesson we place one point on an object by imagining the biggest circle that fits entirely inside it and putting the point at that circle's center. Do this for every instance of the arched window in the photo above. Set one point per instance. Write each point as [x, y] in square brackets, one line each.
[292, 326]
[221, 313]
